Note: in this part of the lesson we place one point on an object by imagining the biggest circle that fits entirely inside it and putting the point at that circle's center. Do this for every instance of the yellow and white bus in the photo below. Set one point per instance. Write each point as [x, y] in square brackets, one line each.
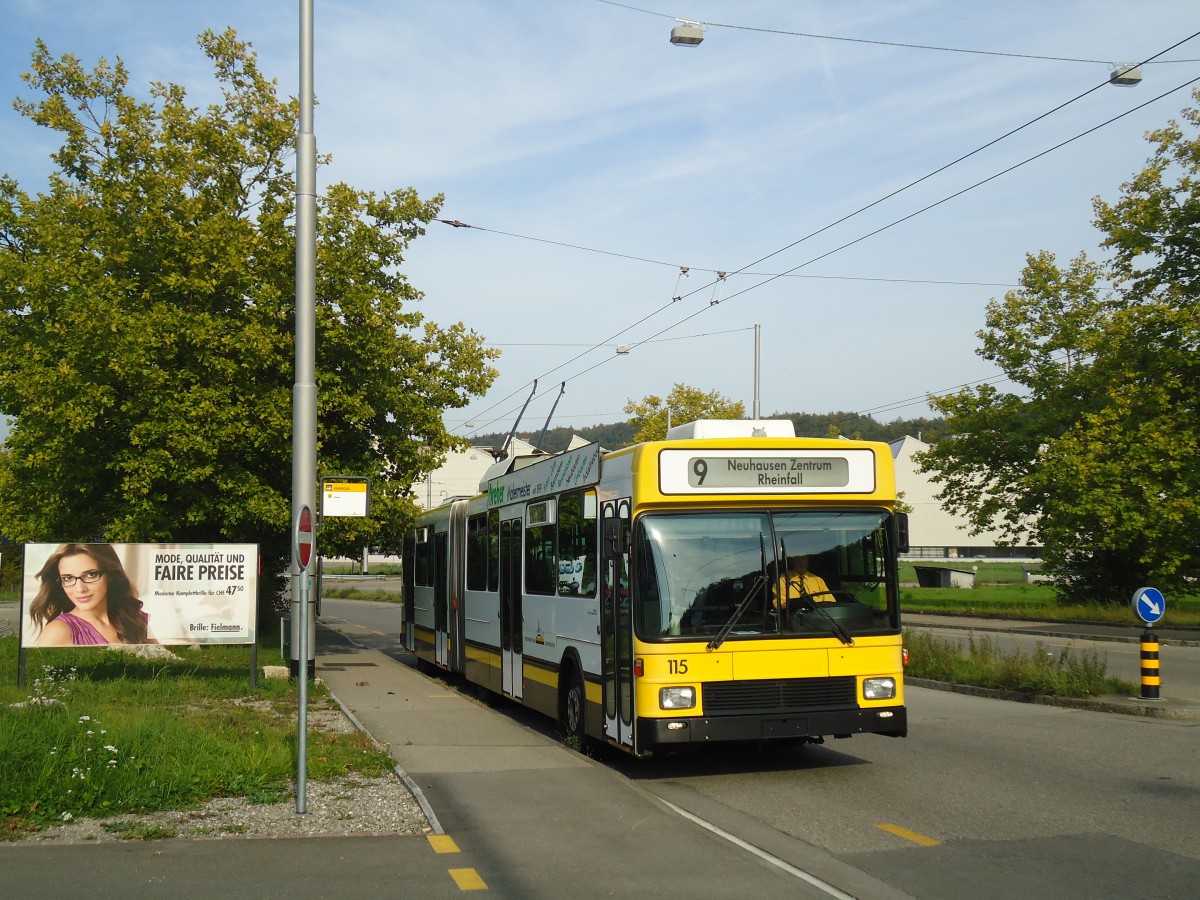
[634, 595]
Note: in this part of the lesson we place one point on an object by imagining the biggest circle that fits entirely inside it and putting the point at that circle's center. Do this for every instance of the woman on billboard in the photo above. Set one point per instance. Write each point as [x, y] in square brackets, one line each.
[86, 599]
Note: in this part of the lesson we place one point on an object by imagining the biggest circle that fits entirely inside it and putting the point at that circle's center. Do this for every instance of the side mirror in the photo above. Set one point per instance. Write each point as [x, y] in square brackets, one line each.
[902, 533]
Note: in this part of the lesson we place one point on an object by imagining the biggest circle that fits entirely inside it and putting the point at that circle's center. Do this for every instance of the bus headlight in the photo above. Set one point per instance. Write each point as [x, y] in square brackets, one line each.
[677, 698]
[879, 688]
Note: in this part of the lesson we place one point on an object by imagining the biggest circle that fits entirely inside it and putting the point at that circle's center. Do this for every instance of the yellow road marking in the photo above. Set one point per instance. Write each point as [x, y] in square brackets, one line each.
[442, 843]
[468, 880]
[909, 835]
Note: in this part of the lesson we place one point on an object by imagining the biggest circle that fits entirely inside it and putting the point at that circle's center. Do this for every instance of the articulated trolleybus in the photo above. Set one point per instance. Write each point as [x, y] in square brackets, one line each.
[641, 596]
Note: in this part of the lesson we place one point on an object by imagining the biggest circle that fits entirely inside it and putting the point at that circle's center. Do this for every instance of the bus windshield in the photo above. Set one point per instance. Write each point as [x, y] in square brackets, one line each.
[808, 573]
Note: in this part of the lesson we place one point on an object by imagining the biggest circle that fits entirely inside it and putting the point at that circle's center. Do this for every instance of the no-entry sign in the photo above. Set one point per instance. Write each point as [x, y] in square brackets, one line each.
[304, 537]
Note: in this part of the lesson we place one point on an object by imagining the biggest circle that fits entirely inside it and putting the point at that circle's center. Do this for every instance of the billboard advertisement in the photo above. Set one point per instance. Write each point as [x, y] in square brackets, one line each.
[78, 595]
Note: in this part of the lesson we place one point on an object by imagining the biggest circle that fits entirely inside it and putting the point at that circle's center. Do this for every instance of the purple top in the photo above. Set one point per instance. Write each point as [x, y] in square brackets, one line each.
[84, 633]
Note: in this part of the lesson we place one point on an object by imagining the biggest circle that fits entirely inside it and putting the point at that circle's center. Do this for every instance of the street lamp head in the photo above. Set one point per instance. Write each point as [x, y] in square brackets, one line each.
[686, 34]
[1125, 76]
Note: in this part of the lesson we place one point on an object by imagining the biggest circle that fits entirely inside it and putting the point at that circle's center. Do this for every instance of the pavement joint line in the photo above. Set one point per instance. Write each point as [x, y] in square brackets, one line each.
[812, 880]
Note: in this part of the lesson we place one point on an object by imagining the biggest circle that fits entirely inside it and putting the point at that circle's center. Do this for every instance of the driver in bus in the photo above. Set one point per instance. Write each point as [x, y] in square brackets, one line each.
[798, 583]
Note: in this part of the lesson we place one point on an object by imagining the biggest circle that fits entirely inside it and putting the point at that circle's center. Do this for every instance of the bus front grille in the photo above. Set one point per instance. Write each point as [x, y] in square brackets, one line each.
[777, 695]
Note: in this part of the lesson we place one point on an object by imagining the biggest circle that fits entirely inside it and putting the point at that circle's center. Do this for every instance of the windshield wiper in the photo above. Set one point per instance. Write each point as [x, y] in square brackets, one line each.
[719, 637]
[760, 580]
[815, 606]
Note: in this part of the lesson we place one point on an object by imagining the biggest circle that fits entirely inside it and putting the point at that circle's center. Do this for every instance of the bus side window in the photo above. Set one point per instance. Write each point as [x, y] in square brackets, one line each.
[577, 545]
[423, 557]
[493, 540]
[477, 553]
[541, 538]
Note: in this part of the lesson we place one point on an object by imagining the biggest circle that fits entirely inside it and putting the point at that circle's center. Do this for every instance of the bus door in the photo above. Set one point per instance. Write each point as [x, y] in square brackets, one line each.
[441, 597]
[456, 628]
[511, 622]
[408, 567]
[616, 622]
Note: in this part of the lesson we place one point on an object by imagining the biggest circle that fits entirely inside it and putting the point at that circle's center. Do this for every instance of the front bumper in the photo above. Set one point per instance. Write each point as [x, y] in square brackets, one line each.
[891, 721]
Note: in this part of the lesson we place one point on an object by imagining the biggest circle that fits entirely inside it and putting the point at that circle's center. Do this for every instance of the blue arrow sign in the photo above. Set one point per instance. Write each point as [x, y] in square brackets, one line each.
[1149, 604]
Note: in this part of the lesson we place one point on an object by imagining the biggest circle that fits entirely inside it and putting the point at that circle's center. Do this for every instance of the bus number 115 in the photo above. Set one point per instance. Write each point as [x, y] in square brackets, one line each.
[677, 666]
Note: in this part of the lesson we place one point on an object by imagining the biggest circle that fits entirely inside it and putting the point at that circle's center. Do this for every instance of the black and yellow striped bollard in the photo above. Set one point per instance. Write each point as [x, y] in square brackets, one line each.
[1151, 676]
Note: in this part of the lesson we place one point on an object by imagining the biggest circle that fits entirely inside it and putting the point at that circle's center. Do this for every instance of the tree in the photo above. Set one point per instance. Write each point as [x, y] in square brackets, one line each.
[862, 427]
[686, 404]
[148, 319]
[1095, 455]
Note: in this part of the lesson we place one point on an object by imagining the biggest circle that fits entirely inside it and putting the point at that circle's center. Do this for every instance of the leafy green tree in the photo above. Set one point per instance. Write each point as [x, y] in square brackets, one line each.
[686, 404]
[1094, 454]
[148, 319]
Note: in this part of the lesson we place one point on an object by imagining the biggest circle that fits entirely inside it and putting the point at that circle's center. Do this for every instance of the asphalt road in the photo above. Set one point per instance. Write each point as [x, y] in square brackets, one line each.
[986, 798]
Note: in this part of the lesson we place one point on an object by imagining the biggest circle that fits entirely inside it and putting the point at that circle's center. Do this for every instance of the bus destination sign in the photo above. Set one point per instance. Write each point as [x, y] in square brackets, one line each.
[781, 472]
[767, 471]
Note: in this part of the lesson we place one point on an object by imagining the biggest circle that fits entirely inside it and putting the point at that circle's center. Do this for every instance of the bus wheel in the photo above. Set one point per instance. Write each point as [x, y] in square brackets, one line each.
[572, 724]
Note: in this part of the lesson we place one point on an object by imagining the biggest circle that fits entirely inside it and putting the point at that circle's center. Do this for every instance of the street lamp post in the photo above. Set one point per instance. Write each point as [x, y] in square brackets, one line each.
[304, 389]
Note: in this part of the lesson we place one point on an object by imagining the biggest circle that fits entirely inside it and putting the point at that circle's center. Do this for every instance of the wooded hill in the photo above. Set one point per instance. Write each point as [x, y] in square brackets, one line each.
[848, 424]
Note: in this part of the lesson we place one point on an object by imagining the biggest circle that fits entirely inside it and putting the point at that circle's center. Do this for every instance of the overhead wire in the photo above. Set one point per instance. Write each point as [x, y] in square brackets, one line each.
[907, 217]
[456, 223]
[682, 337]
[923, 398]
[930, 206]
[722, 276]
[859, 211]
[955, 162]
[880, 43]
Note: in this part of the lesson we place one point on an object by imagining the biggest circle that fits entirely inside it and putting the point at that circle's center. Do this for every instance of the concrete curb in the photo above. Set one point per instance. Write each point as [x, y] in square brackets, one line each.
[1165, 636]
[1127, 706]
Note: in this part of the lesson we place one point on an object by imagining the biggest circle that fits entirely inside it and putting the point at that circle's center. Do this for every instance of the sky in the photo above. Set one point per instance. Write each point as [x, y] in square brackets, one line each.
[595, 161]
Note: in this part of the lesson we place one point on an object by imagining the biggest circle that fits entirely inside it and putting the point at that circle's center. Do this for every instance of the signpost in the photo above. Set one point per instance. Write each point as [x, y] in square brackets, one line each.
[1150, 606]
[345, 495]
[303, 547]
[304, 537]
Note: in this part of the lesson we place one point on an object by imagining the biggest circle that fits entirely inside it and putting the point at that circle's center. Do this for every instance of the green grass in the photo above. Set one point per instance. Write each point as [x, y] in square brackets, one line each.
[353, 593]
[349, 568]
[99, 732]
[1071, 673]
[985, 572]
[1000, 592]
